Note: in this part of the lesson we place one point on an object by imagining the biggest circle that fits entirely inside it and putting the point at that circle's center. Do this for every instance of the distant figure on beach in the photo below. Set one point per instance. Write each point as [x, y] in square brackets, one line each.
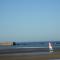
[50, 47]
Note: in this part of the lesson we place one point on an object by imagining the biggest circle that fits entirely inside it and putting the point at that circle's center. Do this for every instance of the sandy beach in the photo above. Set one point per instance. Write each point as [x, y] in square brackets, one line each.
[27, 54]
[29, 57]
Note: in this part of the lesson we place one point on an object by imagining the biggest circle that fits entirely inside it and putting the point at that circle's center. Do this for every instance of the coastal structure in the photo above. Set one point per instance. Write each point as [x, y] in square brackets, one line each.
[7, 43]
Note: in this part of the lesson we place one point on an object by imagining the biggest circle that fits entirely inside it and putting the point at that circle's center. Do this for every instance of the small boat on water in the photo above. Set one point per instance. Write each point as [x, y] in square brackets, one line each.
[50, 47]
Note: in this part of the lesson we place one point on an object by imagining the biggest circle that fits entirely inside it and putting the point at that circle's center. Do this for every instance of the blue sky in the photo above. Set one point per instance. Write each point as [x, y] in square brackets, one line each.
[29, 20]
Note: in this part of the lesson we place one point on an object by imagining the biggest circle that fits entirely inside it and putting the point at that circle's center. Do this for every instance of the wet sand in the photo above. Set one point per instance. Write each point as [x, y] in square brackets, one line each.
[22, 50]
[24, 55]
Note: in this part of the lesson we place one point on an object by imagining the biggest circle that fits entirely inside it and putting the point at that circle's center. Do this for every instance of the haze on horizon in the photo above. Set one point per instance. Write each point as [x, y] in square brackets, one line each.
[29, 20]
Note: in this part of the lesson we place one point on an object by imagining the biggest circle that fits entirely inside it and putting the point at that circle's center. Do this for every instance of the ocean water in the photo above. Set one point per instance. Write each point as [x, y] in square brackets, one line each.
[55, 44]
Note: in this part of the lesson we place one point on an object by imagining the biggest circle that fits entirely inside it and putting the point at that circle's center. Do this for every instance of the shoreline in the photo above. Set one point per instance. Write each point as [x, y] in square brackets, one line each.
[22, 50]
[25, 50]
[28, 54]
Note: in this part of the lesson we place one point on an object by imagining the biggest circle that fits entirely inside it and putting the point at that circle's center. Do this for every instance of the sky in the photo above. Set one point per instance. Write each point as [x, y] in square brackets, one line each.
[29, 20]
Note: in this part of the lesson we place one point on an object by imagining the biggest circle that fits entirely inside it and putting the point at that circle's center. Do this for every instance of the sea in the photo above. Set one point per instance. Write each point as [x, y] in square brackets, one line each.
[43, 44]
